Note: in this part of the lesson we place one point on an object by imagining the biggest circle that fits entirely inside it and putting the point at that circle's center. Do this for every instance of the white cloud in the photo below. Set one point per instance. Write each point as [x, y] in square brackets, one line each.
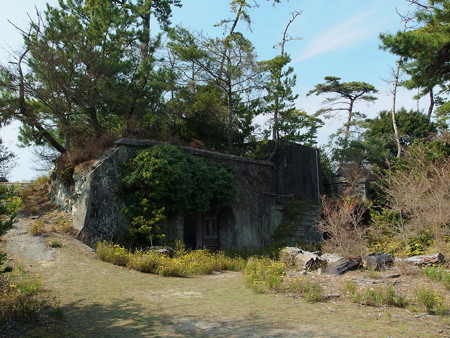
[347, 33]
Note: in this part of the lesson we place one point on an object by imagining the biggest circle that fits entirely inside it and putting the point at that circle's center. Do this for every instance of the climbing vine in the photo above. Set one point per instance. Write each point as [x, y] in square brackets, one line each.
[163, 181]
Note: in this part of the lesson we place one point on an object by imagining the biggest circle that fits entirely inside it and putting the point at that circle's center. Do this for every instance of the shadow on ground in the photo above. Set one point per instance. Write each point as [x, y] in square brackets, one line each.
[128, 319]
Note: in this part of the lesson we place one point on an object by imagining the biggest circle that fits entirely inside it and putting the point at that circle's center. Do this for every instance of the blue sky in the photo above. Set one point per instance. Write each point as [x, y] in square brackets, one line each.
[339, 38]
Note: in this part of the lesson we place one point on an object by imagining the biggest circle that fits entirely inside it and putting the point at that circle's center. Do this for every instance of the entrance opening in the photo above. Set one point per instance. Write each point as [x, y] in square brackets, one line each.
[190, 231]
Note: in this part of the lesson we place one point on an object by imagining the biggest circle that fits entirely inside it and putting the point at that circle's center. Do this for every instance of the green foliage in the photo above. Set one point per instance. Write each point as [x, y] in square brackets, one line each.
[432, 300]
[345, 94]
[225, 70]
[10, 203]
[425, 49]
[164, 181]
[183, 264]
[287, 122]
[438, 274]
[97, 55]
[381, 296]
[113, 253]
[311, 291]
[263, 274]
[23, 299]
[7, 161]
[379, 144]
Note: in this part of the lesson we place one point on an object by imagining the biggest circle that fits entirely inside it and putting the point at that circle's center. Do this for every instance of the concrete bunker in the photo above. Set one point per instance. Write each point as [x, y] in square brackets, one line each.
[249, 222]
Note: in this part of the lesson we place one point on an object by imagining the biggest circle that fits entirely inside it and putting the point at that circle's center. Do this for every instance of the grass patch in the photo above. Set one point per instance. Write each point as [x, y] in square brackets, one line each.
[38, 227]
[381, 296]
[23, 299]
[264, 274]
[54, 243]
[432, 300]
[311, 291]
[438, 274]
[185, 263]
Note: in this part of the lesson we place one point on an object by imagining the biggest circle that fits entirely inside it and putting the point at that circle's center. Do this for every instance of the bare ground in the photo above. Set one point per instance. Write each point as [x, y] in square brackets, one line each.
[103, 300]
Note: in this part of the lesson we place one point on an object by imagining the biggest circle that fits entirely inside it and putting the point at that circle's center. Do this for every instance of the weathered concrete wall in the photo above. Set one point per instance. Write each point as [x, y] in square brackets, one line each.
[298, 172]
[249, 222]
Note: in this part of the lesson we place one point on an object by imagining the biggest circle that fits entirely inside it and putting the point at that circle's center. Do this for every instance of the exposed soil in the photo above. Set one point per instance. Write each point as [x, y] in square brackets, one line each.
[103, 300]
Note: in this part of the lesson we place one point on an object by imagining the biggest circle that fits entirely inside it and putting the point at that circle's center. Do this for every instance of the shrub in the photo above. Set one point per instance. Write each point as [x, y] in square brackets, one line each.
[311, 291]
[54, 243]
[147, 261]
[379, 297]
[432, 300]
[10, 203]
[416, 213]
[198, 262]
[172, 267]
[60, 222]
[350, 287]
[264, 274]
[23, 299]
[342, 221]
[113, 253]
[438, 274]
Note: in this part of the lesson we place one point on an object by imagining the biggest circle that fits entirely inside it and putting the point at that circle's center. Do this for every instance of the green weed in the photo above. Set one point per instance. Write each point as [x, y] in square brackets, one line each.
[432, 300]
[144, 261]
[23, 299]
[311, 291]
[197, 262]
[382, 296]
[113, 253]
[264, 274]
[438, 274]
[350, 287]
[54, 243]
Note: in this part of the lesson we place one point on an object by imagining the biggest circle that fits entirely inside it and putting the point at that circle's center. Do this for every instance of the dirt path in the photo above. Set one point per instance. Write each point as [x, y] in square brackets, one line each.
[103, 300]
[20, 242]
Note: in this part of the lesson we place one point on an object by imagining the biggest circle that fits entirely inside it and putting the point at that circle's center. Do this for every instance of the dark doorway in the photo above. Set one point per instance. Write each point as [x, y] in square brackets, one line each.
[190, 231]
[210, 232]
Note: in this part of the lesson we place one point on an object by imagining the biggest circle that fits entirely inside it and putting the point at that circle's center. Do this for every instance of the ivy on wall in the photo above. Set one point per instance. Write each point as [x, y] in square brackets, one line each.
[164, 181]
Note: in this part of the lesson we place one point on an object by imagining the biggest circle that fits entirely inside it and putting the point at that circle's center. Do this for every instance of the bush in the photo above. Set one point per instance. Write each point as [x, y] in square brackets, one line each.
[197, 262]
[172, 267]
[148, 261]
[432, 300]
[378, 297]
[113, 253]
[342, 222]
[438, 274]
[10, 203]
[264, 274]
[415, 216]
[23, 299]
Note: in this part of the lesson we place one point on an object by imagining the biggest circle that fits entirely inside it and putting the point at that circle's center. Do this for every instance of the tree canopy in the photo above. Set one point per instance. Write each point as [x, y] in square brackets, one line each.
[344, 96]
[425, 48]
